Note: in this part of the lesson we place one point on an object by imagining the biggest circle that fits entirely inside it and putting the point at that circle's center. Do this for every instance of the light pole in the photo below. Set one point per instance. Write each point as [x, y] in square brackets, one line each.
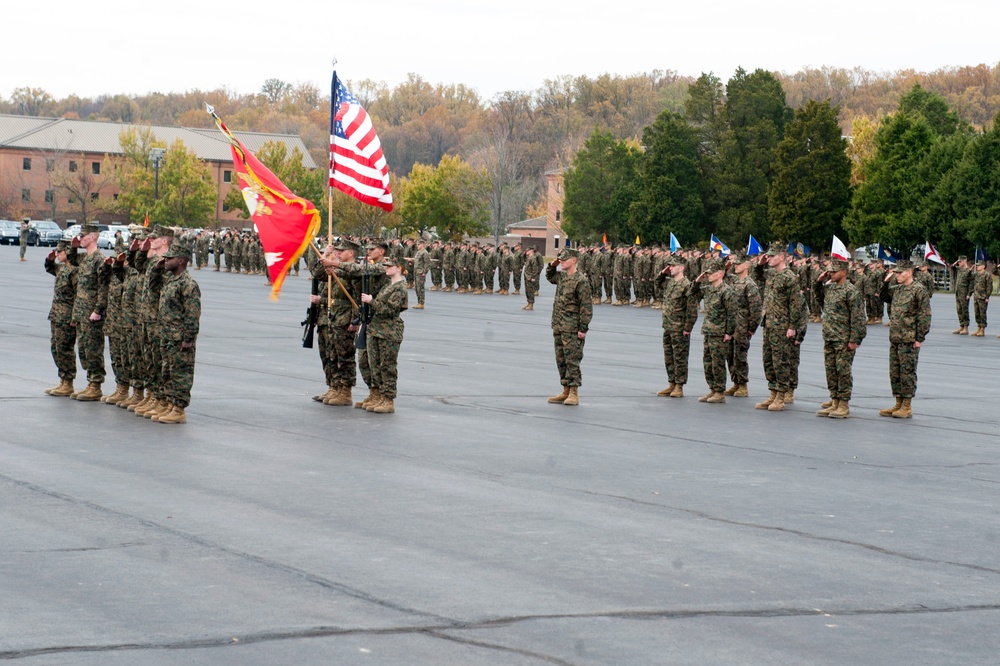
[156, 154]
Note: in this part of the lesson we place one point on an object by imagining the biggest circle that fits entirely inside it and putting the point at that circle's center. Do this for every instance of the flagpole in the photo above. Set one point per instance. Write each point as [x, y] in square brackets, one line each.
[333, 168]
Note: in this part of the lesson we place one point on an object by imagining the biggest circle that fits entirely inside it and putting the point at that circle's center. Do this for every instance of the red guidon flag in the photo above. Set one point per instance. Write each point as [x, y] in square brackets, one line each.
[286, 223]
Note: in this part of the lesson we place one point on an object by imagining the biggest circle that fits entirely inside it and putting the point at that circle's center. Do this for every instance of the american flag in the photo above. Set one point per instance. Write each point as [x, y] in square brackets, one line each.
[357, 165]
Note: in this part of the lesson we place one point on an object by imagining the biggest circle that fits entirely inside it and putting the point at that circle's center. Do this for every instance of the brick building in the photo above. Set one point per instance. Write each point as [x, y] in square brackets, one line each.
[32, 149]
[549, 226]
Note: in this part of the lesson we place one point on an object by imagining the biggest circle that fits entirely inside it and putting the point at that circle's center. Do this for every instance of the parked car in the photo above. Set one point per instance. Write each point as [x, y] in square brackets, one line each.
[10, 232]
[72, 231]
[106, 241]
[44, 232]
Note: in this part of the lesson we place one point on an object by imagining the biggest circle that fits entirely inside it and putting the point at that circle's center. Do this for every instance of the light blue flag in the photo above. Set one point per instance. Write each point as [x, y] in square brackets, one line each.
[674, 244]
[753, 247]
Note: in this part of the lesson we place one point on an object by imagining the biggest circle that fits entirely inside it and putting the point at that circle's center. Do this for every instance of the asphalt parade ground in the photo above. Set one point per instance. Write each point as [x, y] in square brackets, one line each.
[481, 525]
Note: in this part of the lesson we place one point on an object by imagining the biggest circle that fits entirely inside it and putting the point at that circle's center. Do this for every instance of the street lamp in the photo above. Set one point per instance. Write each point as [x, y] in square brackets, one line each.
[156, 154]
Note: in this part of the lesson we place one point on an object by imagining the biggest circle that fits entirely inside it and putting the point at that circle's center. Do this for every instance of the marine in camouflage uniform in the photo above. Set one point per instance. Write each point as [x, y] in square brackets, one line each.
[909, 324]
[421, 266]
[717, 328]
[748, 313]
[783, 311]
[505, 268]
[517, 260]
[201, 250]
[130, 324]
[680, 312]
[377, 279]
[63, 340]
[179, 316]
[533, 263]
[874, 276]
[642, 265]
[437, 265]
[844, 328]
[608, 258]
[385, 335]
[22, 237]
[218, 250]
[622, 276]
[113, 275]
[982, 289]
[572, 311]
[963, 293]
[148, 306]
[337, 326]
[88, 314]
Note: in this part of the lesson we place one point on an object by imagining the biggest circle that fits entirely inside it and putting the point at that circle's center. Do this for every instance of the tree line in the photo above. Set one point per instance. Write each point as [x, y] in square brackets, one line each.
[497, 150]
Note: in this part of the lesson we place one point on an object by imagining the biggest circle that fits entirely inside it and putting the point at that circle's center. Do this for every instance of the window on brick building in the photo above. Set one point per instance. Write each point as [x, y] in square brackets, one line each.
[50, 165]
[26, 194]
[72, 166]
[227, 176]
[26, 164]
[95, 168]
[94, 196]
[558, 215]
[50, 196]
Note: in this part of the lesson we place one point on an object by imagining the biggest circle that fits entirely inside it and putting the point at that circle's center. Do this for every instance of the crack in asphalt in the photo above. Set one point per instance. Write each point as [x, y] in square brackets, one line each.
[799, 533]
[441, 631]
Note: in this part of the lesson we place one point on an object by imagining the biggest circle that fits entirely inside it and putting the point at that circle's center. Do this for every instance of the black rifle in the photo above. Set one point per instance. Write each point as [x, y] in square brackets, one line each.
[312, 314]
[365, 312]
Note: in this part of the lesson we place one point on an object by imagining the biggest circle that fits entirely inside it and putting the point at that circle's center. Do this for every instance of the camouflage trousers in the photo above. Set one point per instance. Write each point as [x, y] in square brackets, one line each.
[420, 286]
[595, 285]
[903, 369]
[137, 364]
[64, 350]
[90, 341]
[962, 308]
[516, 275]
[608, 286]
[778, 353]
[838, 360]
[981, 305]
[716, 352]
[623, 288]
[336, 351]
[569, 354]
[152, 358]
[449, 277]
[676, 350]
[793, 372]
[218, 258]
[382, 357]
[365, 367]
[117, 346]
[739, 367]
[503, 279]
[23, 249]
[530, 289]
[437, 276]
[815, 309]
[177, 373]
[876, 308]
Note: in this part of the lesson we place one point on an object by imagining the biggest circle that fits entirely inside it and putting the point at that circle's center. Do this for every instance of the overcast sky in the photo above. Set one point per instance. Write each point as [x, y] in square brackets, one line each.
[114, 46]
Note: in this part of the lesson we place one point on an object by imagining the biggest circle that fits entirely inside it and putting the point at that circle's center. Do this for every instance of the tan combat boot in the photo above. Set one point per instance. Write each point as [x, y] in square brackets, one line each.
[842, 411]
[418, 306]
[742, 391]
[957, 331]
[323, 397]
[377, 399]
[778, 404]
[767, 403]
[142, 402]
[980, 332]
[732, 389]
[905, 410]
[828, 407]
[705, 397]
[607, 300]
[517, 292]
[678, 391]
[162, 408]
[716, 397]
[387, 406]
[595, 300]
[573, 398]
[342, 398]
[529, 307]
[789, 398]
[175, 416]
[964, 330]
[121, 392]
[90, 394]
[131, 400]
[365, 401]
[561, 398]
[161, 414]
[891, 410]
[667, 391]
[64, 389]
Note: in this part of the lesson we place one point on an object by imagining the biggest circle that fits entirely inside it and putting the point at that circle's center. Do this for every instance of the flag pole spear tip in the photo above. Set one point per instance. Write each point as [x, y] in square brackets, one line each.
[334, 63]
[209, 108]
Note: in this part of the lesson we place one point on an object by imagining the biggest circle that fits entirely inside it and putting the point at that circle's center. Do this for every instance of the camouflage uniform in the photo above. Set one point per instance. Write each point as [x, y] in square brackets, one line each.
[783, 310]
[572, 311]
[748, 312]
[201, 251]
[680, 312]
[719, 321]
[963, 292]
[90, 297]
[63, 343]
[909, 322]
[421, 265]
[377, 280]
[982, 289]
[22, 238]
[114, 329]
[436, 267]
[131, 326]
[179, 315]
[843, 323]
[217, 250]
[517, 261]
[385, 334]
[333, 326]
[532, 272]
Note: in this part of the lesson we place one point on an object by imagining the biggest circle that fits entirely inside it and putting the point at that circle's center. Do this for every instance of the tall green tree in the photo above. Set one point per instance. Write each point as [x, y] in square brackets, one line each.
[135, 177]
[811, 190]
[975, 183]
[669, 193]
[741, 171]
[600, 188]
[188, 195]
[450, 198]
